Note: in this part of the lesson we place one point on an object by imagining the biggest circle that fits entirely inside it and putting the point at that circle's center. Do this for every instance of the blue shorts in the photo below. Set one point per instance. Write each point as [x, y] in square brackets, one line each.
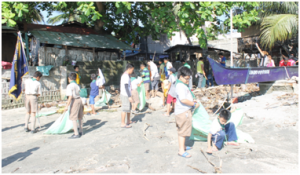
[92, 100]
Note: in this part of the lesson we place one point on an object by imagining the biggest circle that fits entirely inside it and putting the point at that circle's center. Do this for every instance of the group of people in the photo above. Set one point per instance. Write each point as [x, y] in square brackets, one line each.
[267, 61]
[178, 93]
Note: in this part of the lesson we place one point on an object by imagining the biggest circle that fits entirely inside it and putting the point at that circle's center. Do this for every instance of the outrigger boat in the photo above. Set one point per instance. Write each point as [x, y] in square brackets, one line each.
[224, 76]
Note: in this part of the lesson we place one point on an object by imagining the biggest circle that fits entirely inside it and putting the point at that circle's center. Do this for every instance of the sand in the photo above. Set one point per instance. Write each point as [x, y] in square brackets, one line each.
[107, 148]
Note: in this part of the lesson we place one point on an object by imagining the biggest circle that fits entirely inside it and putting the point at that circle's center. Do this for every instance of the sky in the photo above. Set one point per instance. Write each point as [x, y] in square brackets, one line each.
[45, 13]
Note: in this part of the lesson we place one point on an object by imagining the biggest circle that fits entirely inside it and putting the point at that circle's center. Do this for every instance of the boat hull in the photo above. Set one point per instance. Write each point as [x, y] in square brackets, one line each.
[224, 76]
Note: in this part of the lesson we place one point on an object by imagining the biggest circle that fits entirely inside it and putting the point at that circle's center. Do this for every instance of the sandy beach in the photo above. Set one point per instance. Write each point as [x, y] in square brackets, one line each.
[272, 121]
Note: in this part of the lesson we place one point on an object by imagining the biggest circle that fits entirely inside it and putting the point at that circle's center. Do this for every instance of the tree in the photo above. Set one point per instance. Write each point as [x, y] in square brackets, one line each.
[279, 22]
[156, 18]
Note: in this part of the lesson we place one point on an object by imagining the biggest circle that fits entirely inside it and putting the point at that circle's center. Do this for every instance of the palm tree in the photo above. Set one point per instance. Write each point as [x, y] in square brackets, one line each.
[279, 22]
[64, 17]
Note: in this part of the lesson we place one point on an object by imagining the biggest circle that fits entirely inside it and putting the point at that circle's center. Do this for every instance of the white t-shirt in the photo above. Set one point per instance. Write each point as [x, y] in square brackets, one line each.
[182, 92]
[125, 79]
[215, 127]
[154, 70]
[73, 90]
[169, 65]
[172, 80]
[33, 87]
[134, 84]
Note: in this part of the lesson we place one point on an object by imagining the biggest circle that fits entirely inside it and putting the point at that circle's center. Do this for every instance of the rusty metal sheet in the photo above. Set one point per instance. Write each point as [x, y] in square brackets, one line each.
[78, 40]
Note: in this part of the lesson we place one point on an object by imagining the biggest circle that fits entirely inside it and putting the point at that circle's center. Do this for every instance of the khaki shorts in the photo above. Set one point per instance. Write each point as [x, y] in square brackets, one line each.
[147, 86]
[126, 105]
[184, 123]
[135, 96]
[31, 103]
[76, 109]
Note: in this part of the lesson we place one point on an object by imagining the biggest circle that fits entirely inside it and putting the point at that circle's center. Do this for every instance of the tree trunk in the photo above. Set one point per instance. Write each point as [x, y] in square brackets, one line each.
[99, 23]
[188, 38]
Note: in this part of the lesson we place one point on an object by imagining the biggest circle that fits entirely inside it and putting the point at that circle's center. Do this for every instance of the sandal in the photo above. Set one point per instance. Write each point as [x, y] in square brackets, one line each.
[165, 114]
[126, 126]
[188, 148]
[185, 154]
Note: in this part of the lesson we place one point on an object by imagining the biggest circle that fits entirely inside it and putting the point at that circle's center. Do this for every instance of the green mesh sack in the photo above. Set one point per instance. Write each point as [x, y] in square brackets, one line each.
[142, 95]
[62, 125]
[104, 99]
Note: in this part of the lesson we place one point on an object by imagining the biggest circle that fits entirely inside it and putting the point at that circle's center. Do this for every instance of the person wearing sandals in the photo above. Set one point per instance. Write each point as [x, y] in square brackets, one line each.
[220, 130]
[125, 95]
[93, 93]
[135, 83]
[33, 90]
[75, 104]
[171, 98]
[185, 102]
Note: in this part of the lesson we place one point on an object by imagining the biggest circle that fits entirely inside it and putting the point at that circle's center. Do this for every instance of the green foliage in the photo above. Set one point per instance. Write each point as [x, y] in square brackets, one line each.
[123, 18]
[279, 22]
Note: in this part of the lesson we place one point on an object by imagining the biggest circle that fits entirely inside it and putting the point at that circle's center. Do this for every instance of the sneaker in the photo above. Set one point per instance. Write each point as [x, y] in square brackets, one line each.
[74, 136]
[27, 130]
[80, 134]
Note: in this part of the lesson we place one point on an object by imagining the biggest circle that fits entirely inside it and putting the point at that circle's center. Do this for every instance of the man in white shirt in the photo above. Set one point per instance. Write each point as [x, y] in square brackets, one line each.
[154, 78]
[168, 66]
[125, 95]
[33, 90]
[219, 130]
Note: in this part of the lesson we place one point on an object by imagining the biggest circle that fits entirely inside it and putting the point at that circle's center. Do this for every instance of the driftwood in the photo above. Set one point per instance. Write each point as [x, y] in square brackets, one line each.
[217, 169]
[197, 169]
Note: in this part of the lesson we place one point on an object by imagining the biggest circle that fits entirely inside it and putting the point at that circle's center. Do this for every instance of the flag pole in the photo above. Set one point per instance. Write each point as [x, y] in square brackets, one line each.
[231, 53]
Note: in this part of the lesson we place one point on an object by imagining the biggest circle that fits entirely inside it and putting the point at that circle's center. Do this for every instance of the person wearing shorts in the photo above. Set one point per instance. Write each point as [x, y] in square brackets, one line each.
[74, 105]
[135, 83]
[126, 96]
[93, 93]
[146, 78]
[171, 98]
[154, 77]
[184, 103]
[33, 90]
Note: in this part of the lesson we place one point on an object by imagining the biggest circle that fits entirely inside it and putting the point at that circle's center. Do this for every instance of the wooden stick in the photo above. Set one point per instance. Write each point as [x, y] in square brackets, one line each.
[197, 169]
[220, 106]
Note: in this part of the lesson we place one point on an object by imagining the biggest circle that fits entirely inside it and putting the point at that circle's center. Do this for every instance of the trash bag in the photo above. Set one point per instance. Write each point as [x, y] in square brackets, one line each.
[83, 93]
[203, 82]
[62, 125]
[44, 114]
[104, 99]
[201, 125]
[142, 95]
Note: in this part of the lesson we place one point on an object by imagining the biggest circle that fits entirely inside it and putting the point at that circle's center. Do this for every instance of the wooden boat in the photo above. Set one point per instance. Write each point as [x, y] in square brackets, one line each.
[224, 76]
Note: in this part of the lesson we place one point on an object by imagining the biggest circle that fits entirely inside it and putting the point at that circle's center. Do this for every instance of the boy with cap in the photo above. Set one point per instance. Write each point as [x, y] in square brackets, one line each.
[75, 105]
[220, 131]
[171, 98]
[33, 90]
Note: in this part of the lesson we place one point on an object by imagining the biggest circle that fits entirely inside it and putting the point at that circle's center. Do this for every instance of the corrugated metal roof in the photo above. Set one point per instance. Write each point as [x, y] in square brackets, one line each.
[77, 40]
[8, 28]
